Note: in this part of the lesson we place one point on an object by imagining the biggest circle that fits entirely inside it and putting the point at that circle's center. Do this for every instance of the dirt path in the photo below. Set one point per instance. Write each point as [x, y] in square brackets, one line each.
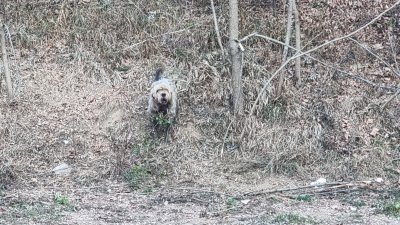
[116, 203]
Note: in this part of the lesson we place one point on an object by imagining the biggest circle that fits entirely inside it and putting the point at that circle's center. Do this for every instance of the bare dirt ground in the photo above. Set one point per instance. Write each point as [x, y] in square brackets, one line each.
[116, 203]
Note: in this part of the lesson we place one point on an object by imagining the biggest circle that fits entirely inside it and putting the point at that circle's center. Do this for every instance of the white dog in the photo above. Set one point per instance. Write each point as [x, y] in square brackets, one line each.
[163, 98]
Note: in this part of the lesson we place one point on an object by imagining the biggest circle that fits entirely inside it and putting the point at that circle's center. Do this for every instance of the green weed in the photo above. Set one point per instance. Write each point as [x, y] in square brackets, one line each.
[293, 219]
[62, 200]
[136, 176]
[392, 209]
[231, 204]
[162, 120]
[304, 198]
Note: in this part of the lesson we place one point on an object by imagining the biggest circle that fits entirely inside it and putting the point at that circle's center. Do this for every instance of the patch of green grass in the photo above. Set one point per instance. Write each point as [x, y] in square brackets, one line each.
[304, 198]
[147, 190]
[392, 208]
[37, 212]
[355, 202]
[162, 120]
[62, 200]
[231, 204]
[293, 219]
[136, 176]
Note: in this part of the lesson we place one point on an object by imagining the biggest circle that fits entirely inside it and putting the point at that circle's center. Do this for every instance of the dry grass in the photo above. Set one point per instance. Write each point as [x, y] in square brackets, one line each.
[86, 68]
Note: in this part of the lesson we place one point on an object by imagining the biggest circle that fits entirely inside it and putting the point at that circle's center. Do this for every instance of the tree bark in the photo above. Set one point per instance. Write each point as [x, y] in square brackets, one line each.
[298, 42]
[236, 58]
[5, 60]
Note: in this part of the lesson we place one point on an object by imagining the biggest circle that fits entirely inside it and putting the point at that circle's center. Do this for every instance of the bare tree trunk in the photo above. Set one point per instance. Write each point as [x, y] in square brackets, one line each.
[236, 58]
[298, 42]
[5, 60]
[289, 25]
[216, 26]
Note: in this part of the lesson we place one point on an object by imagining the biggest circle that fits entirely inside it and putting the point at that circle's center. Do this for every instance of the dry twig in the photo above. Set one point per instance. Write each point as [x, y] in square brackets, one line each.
[390, 99]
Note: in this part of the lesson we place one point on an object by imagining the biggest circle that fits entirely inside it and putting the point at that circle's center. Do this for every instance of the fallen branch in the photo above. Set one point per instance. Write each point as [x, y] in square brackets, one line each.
[263, 192]
[315, 189]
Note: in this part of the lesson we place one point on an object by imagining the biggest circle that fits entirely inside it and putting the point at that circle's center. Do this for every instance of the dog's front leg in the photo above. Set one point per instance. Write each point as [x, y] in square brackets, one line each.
[172, 114]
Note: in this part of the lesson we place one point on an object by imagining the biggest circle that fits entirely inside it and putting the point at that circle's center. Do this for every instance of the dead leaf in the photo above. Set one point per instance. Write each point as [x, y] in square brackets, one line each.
[374, 131]
[377, 46]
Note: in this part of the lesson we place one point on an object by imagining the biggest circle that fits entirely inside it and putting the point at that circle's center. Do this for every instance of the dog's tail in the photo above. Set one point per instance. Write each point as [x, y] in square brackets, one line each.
[159, 72]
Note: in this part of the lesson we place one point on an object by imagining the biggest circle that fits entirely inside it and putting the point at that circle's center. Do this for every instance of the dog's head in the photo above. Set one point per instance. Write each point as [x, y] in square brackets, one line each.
[162, 95]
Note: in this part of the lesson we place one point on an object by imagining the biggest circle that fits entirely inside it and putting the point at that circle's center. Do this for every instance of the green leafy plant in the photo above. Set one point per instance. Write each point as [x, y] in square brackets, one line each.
[231, 204]
[162, 120]
[135, 176]
[61, 200]
[304, 198]
[293, 219]
[355, 202]
[147, 190]
[392, 209]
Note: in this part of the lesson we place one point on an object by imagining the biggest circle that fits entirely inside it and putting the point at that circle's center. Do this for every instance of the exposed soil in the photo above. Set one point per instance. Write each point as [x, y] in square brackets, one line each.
[115, 203]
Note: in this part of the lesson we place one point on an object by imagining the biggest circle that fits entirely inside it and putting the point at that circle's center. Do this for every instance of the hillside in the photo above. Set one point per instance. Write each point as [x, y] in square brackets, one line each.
[82, 70]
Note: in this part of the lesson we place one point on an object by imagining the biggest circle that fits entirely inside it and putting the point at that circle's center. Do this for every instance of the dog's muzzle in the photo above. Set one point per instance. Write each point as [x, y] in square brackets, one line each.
[164, 101]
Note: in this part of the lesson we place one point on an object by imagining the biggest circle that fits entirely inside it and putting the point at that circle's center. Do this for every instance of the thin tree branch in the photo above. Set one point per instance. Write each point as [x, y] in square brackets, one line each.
[356, 77]
[392, 41]
[216, 26]
[390, 99]
[376, 56]
[314, 49]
